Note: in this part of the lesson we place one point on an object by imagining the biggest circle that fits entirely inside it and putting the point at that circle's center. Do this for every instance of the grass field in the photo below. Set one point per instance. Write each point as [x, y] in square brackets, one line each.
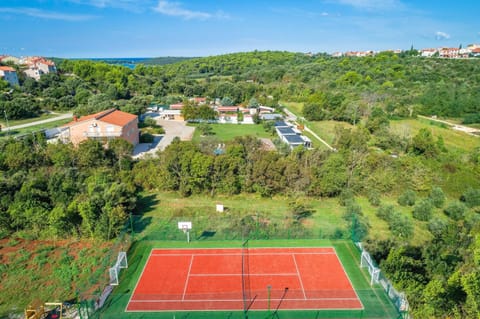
[453, 139]
[227, 132]
[324, 129]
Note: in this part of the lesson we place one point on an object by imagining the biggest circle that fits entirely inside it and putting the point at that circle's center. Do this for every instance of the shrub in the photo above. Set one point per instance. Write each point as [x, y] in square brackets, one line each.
[471, 197]
[374, 198]
[436, 226]
[146, 138]
[400, 225]
[346, 196]
[455, 210]
[437, 197]
[407, 198]
[385, 212]
[423, 210]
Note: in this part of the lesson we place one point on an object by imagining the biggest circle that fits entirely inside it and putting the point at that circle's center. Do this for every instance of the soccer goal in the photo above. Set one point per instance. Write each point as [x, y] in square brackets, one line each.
[115, 270]
[366, 261]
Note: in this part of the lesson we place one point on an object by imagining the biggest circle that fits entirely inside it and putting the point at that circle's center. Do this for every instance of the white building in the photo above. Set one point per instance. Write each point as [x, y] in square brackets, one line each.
[9, 74]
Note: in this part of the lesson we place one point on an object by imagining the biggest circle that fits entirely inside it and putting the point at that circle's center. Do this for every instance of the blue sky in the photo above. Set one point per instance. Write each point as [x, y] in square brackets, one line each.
[150, 28]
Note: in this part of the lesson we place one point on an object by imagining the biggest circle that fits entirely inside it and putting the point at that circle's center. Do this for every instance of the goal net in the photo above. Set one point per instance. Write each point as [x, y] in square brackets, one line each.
[366, 261]
[115, 270]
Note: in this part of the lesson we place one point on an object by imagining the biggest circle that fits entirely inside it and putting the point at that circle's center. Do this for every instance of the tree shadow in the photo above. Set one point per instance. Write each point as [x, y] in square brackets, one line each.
[140, 223]
[206, 234]
[146, 203]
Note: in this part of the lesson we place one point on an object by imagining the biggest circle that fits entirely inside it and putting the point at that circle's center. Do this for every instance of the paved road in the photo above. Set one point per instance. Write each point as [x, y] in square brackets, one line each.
[53, 119]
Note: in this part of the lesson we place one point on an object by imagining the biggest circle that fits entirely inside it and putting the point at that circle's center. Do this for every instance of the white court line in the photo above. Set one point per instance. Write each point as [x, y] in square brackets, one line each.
[238, 300]
[346, 274]
[138, 279]
[222, 275]
[239, 254]
[188, 277]
[299, 277]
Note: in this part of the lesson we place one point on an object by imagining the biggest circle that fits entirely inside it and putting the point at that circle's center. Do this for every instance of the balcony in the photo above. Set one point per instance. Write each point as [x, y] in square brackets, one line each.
[102, 134]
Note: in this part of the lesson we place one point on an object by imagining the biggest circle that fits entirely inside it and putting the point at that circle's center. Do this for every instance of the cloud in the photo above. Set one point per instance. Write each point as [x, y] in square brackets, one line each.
[129, 5]
[297, 12]
[175, 9]
[370, 4]
[48, 15]
[439, 35]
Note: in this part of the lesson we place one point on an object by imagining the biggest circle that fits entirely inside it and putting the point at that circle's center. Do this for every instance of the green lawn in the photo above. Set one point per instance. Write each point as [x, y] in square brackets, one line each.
[453, 139]
[294, 107]
[326, 129]
[227, 132]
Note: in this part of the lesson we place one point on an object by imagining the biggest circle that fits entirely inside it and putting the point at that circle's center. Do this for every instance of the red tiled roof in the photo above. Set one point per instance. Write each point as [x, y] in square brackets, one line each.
[177, 106]
[111, 116]
[7, 68]
[227, 108]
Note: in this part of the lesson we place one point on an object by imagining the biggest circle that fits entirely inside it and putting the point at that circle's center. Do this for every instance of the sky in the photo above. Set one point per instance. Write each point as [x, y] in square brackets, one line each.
[154, 28]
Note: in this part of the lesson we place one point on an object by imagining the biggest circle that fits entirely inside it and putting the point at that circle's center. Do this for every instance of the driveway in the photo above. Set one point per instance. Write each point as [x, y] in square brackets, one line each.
[172, 130]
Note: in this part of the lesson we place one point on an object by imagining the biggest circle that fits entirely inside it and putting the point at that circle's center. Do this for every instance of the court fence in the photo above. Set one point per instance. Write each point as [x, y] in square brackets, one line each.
[224, 227]
[377, 277]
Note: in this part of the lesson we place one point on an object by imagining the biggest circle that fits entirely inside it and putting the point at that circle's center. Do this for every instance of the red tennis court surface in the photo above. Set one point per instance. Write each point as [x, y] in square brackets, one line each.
[211, 279]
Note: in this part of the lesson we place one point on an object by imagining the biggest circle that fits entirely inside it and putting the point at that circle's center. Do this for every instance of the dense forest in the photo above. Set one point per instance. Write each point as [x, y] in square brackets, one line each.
[47, 189]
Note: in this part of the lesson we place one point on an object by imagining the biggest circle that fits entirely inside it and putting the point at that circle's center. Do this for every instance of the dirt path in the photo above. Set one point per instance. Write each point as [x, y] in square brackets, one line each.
[463, 128]
[293, 117]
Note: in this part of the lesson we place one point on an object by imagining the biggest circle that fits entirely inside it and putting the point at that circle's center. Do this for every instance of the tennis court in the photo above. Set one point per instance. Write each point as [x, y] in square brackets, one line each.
[230, 279]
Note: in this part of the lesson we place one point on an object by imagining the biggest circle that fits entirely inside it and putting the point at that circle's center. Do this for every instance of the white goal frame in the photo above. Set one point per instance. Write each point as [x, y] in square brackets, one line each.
[114, 271]
[366, 261]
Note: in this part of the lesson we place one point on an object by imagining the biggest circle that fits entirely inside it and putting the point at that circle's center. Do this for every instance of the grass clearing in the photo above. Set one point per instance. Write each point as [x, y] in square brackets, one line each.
[453, 139]
[227, 132]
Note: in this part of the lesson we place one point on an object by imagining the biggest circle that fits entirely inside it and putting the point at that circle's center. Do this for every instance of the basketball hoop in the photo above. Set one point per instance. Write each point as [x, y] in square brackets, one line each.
[185, 227]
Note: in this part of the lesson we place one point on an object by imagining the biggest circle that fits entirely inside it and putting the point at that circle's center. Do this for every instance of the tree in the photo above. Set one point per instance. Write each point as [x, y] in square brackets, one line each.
[471, 197]
[377, 120]
[455, 210]
[227, 101]
[423, 210]
[300, 210]
[437, 197]
[253, 102]
[407, 198]
[423, 144]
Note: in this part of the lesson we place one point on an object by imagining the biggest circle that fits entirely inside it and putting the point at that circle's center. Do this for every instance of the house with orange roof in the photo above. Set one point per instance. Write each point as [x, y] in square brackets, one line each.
[199, 100]
[105, 125]
[9, 74]
[36, 66]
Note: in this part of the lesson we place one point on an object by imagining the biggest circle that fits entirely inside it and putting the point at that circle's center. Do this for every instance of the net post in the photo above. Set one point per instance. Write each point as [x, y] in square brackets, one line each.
[245, 279]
